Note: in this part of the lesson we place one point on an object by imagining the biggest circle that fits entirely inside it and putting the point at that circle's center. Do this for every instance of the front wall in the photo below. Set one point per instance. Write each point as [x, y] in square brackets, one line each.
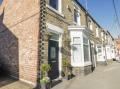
[19, 41]
[83, 17]
[62, 22]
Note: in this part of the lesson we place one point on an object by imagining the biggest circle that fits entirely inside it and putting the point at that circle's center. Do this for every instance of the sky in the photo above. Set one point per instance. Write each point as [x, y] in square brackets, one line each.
[103, 12]
[1, 1]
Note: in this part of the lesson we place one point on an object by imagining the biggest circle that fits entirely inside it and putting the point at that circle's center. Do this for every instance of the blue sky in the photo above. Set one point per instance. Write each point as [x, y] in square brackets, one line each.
[103, 13]
[1, 1]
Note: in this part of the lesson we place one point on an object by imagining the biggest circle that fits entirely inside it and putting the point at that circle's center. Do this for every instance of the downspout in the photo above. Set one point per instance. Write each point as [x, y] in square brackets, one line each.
[41, 41]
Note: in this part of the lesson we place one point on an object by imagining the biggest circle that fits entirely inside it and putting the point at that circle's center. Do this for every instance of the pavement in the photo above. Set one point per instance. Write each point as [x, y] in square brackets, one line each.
[104, 77]
[9, 83]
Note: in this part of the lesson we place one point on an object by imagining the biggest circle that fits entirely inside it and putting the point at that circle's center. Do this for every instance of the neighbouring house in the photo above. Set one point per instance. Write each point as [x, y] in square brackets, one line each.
[110, 47]
[117, 48]
[68, 21]
[105, 50]
[101, 52]
[19, 38]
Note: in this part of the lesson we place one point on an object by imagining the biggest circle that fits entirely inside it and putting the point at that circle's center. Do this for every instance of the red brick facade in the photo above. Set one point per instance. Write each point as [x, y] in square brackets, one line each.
[117, 46]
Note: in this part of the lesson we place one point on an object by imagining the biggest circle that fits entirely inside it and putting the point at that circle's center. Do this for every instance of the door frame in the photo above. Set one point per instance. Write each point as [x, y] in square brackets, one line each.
[59, 31]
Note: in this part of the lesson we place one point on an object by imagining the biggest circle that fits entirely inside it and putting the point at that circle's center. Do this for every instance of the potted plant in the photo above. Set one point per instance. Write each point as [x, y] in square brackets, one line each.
[47, 36]
[45, 81]
[66, 69]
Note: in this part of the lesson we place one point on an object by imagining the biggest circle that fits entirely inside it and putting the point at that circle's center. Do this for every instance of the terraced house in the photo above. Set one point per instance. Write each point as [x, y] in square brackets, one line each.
[69, 21]
[106, 49]
[60, 29]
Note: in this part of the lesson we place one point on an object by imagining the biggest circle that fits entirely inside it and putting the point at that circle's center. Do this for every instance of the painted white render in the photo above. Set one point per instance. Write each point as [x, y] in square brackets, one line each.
[101, 53]
[78, 35]
[110, 52]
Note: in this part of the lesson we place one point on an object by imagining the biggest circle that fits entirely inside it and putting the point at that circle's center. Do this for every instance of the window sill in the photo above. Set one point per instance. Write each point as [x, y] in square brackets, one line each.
[54, 10]
[75, 23]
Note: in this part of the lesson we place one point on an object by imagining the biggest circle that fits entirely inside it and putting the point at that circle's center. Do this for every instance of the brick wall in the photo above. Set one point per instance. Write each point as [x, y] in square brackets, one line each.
[19, 30]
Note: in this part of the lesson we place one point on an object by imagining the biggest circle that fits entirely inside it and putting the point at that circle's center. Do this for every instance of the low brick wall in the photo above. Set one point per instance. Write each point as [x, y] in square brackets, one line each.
[82, 71]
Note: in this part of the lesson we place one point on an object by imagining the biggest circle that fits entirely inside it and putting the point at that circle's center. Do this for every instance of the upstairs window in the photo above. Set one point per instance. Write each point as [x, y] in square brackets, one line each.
[91, 27]
[90, 24]
[76, 17]
[54, 4]
[97, 32]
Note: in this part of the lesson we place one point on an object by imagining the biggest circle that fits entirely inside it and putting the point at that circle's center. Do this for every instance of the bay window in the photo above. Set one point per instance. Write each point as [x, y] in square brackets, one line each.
[76, 49]
[86, 49]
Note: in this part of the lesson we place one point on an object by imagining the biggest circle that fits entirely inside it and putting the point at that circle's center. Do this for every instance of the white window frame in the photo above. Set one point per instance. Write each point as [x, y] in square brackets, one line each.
[78, 44]
[97, 32]
[91, 26]
[88, 44]
[59, 11]
[78, 17]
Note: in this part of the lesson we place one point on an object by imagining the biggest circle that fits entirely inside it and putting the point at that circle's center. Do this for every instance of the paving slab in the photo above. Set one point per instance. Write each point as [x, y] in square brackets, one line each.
[104, 77]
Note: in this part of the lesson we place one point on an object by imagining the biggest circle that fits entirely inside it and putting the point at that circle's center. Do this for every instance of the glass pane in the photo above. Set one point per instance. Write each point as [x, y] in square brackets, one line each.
[76, 40]
[75, 15]
[53, 53]
[54, 4]
[54, 37]
[86, 53]
[77, 53]
[85, 40]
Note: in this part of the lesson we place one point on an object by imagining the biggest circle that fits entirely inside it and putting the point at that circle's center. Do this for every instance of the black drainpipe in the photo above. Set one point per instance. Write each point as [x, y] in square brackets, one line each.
[41, 41]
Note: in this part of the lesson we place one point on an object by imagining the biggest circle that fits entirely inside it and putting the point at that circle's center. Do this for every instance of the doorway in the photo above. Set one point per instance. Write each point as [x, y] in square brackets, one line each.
[53, 57]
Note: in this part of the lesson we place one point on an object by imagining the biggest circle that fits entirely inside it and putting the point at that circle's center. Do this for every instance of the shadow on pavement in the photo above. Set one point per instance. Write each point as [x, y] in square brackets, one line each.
[5, 80]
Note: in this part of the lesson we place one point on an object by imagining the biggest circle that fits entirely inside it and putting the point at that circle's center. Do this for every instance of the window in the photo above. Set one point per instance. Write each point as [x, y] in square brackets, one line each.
[97, 32]
[86, 49]
[99, 49]
[54, 4]
[76, 49]
[90, 24]
[91, 27]
[76, 17]
[53, 53]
